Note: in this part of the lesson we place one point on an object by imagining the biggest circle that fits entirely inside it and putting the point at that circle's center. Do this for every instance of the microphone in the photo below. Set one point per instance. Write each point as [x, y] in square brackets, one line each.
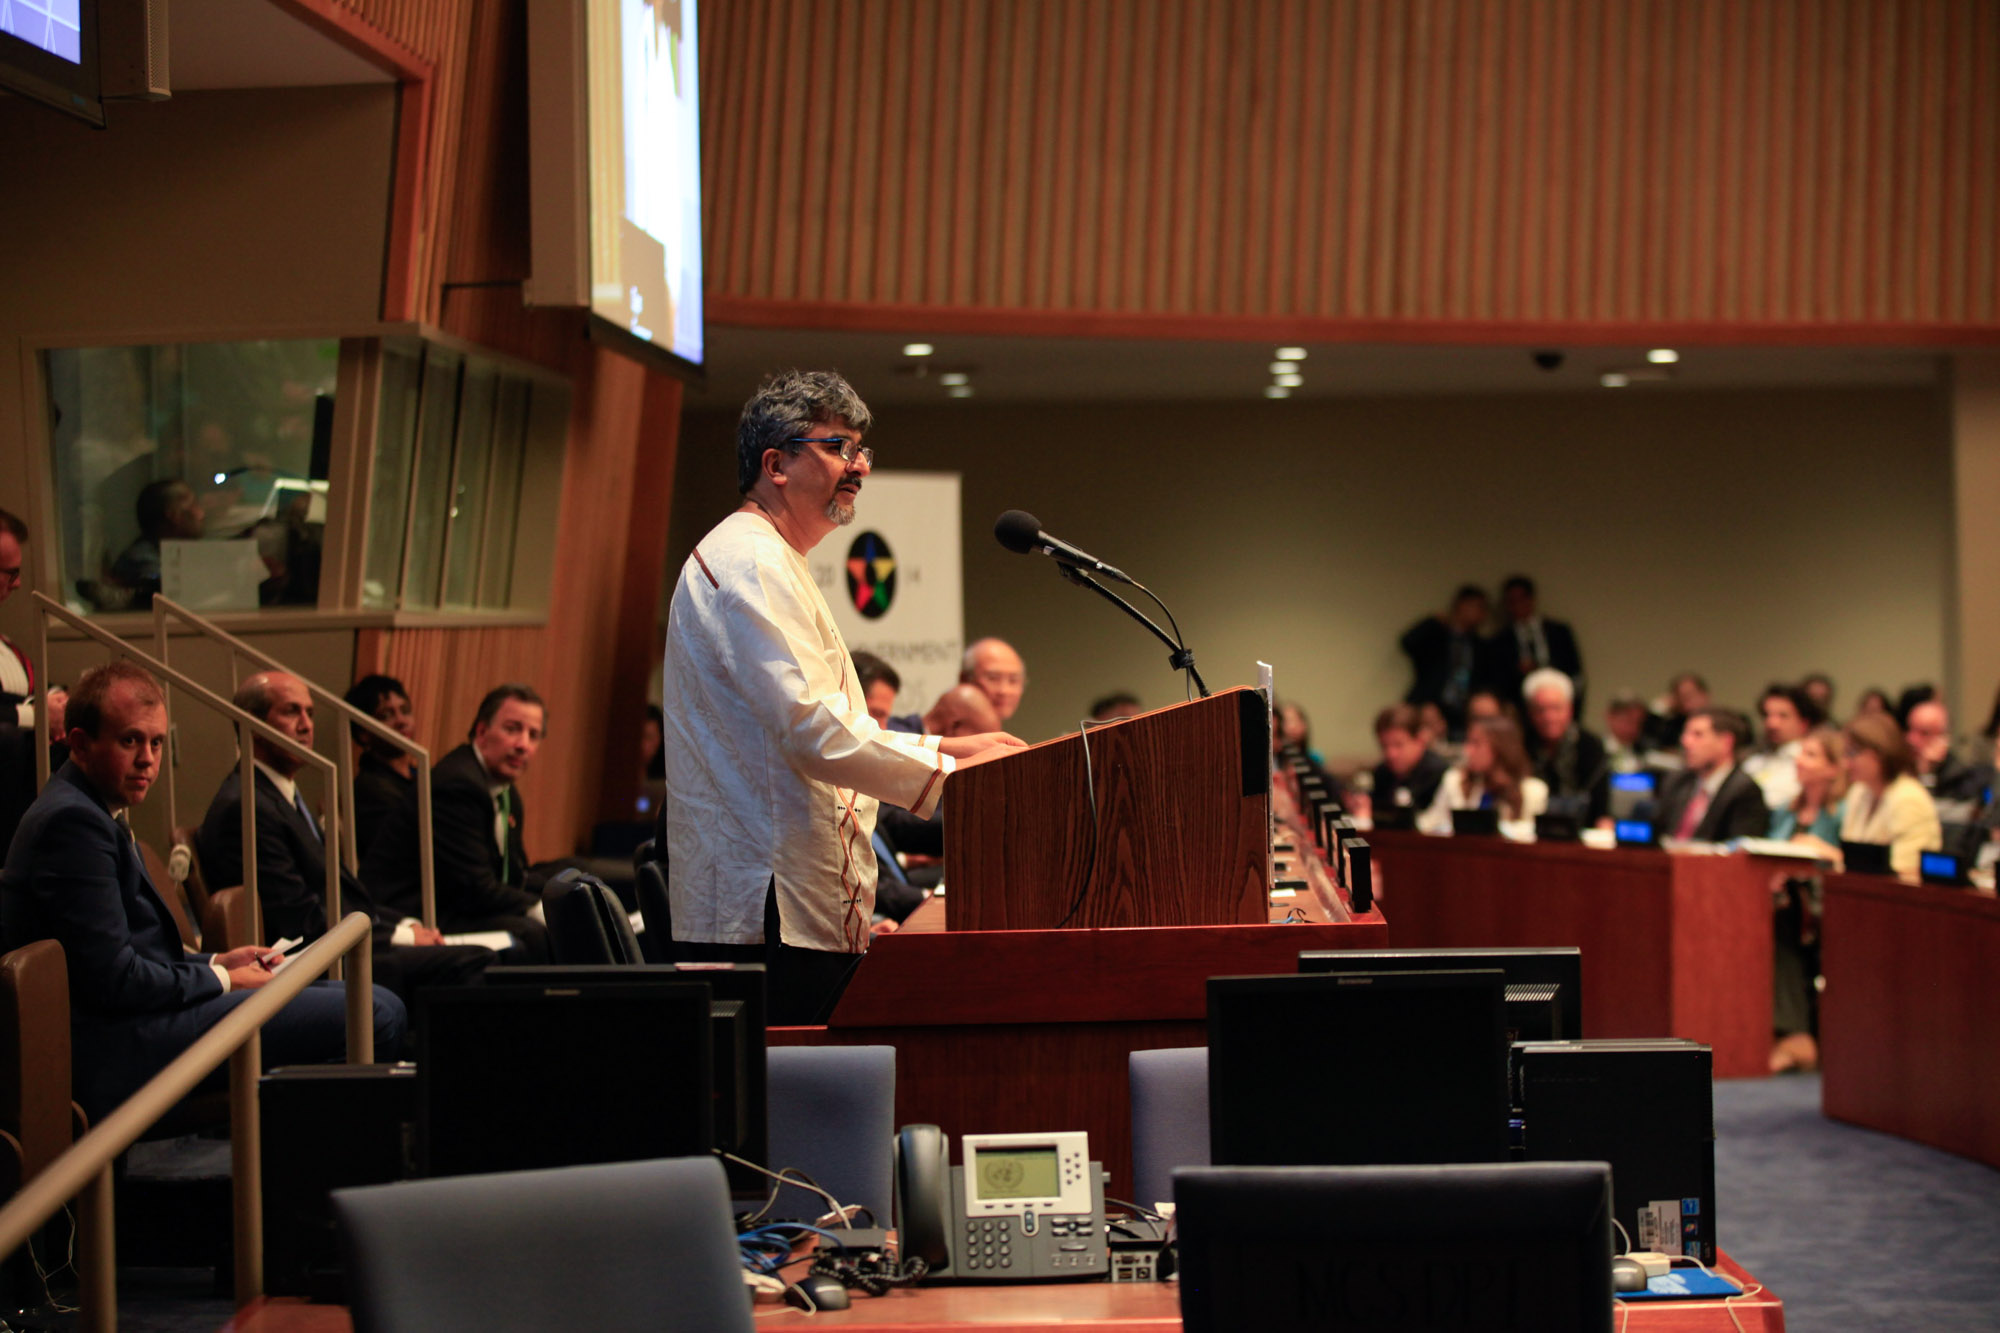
[1021, 532]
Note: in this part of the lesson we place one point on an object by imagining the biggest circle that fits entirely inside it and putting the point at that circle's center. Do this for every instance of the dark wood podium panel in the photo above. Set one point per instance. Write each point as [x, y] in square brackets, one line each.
[1910, 1018]
[1673, 945]
[1018, 1031]
[1178, 833]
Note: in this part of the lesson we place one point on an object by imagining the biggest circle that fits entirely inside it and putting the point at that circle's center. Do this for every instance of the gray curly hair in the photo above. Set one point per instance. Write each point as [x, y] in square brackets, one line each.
[786, 405]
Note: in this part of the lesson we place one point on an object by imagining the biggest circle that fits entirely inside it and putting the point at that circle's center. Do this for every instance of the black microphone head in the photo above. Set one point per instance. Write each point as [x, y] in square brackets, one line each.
[1018, 531]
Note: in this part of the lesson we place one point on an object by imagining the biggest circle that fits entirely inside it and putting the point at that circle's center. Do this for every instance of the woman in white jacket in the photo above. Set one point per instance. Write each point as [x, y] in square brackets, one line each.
[1493, 774]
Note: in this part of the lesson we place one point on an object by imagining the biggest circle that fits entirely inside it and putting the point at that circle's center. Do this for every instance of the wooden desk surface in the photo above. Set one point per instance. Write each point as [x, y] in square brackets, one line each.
[1085, 1307]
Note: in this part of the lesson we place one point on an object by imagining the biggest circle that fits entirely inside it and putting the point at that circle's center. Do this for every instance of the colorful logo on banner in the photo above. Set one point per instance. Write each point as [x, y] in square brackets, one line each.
[871, 575]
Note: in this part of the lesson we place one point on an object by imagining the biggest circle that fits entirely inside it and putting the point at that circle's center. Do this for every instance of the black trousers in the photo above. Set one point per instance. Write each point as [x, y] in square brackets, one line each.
[801, 985]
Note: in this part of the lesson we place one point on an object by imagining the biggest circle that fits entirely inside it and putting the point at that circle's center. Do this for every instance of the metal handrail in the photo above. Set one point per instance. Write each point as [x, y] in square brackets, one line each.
[85, 1169]
[163, 607]
[247, 727]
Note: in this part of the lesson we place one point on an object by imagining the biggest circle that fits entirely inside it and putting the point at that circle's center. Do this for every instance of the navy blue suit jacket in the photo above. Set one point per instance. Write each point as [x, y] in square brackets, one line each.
[75, 876]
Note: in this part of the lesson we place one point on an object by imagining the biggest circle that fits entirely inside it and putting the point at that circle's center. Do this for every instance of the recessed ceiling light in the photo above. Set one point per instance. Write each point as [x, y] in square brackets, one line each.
[918, 349]
[1663, 356]
[1276, 391]
[952, 379]
[960, 391]
[1290, 354]
[1282, 367]
[1613, 379]
[1289, 381]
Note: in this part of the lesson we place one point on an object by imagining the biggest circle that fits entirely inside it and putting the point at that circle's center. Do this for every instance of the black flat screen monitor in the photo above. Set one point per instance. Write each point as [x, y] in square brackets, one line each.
[1558, 967]
[1865, 858]
[1483, 1249]
[1395, 818]
[515, 1078]
[1476, 823]
[740, 1081]
[1360, 1069]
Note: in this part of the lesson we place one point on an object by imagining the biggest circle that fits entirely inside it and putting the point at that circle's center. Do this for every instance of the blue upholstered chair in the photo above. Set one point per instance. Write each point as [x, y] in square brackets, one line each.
[626, 1246]
[1169, 1118]
[833, 1116]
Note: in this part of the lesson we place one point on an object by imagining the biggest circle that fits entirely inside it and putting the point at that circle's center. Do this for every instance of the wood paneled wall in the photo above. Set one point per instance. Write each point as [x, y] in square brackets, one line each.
[1804, 169]
[592, 659]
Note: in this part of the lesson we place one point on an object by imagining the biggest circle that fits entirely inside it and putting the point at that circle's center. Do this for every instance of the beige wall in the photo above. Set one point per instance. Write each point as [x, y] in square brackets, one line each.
[1748, 535]
[1975, 651]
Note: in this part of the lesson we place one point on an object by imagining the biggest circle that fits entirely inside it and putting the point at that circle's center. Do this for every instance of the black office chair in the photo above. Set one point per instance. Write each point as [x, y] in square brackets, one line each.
[587, 923]
[648, 1247]
[656, 912]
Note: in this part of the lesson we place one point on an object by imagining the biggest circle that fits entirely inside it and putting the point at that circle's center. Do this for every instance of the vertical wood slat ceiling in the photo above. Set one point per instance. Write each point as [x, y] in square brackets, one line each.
[1782, 162]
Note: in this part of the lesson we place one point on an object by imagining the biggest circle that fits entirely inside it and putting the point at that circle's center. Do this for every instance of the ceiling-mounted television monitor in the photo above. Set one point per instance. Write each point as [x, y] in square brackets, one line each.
[48, 51]
[614, 164]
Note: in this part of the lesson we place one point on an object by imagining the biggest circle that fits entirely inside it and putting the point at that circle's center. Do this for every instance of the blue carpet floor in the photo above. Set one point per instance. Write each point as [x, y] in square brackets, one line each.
[1856, 1231]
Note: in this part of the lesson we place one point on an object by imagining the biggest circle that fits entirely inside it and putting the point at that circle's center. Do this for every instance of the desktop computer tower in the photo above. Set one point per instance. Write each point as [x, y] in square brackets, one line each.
[326, 1127]
[1644, 1105]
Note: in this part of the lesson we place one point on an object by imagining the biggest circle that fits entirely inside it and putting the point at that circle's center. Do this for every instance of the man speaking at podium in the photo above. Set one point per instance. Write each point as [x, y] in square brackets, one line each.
[774, 768]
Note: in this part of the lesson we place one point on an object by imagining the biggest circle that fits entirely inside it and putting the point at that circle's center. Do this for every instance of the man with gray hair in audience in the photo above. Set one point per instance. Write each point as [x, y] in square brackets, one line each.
[1565, 756]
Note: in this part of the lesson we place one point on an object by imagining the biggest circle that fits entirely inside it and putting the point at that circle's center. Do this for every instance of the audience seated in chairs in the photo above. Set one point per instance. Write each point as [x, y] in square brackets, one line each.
[75, 875]
[1885, 802]
[292, 853]
[1712, 799]
[1788, 713]
[1568, 759]
[1960, 790]
[482, 870]
[1492, 775]
[1410, 771]
[384, 775]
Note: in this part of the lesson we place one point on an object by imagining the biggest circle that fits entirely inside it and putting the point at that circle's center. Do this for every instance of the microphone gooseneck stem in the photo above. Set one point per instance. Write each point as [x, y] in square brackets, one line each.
[1180, 659]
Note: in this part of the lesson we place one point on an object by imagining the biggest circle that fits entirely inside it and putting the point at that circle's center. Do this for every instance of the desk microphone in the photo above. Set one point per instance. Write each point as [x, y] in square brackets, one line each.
[1021, 533]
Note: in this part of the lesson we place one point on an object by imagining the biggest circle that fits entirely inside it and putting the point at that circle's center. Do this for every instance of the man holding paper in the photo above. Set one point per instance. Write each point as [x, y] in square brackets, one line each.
[74, 874]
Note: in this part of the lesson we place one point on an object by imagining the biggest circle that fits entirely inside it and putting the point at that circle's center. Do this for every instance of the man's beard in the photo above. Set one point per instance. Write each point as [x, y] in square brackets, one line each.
[840, 509]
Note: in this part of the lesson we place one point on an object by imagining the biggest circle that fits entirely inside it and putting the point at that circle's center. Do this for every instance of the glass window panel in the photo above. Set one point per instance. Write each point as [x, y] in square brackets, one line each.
[467, 519]
[200, 469]
[430, 493]
[389, 491]
[510, 432]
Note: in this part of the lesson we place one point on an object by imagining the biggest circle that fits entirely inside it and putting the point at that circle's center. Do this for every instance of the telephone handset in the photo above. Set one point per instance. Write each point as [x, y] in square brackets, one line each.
[1022, 1208]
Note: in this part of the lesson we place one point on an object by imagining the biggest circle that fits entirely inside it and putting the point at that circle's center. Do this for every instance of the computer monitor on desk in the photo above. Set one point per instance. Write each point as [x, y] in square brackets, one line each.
[514, 1078]
[1525, 969]
[737, 1010]
[1484, 1249]
[1376, 1068]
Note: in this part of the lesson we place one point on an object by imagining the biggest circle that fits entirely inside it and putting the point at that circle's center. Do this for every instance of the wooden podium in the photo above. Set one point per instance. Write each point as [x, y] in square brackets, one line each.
[1178, 833]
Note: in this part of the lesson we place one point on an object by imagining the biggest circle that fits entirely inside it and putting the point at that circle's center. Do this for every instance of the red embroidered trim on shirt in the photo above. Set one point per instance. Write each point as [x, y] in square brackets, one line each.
[935, 774]
[704, 569]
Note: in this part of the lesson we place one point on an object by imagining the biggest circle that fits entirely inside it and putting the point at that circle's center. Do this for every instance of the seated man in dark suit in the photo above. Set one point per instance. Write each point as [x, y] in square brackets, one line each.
[291, 853]
[75, 875]
[1410, 771]
[476, 818]
[384, 776]
[1712, 799]
[1568, 758]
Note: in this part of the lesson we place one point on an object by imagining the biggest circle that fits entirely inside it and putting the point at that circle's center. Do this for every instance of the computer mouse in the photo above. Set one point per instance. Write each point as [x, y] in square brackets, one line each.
[1627, 1275]
[817, 1291]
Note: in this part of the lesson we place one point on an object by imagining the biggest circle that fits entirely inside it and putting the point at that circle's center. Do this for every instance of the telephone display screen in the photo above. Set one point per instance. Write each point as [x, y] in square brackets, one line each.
[1016, 1173]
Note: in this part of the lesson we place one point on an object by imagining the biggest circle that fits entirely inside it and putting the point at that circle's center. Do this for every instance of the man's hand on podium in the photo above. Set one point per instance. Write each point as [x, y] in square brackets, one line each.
[987, 745]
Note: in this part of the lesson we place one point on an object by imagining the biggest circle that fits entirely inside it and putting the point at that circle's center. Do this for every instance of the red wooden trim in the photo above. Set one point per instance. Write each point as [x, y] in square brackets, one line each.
[765, 313]
[360, 36]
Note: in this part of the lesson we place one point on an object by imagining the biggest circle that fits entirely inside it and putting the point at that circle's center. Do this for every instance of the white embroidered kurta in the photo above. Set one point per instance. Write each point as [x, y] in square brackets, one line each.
[774, 768]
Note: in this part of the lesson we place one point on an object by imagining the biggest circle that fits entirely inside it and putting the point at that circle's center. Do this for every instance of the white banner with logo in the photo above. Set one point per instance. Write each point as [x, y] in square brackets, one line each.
[895, 580]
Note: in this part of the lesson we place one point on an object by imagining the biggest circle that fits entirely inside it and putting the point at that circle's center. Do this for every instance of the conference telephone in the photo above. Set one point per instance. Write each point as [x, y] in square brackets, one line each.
[1022, 1207]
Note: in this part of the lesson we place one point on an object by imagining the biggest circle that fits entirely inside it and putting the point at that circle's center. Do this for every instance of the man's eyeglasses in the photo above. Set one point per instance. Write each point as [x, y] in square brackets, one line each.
[849, 450]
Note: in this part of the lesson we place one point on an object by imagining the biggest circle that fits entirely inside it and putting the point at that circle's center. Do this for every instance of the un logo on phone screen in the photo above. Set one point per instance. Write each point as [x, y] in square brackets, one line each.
[871, 575]
[1000, 1177]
